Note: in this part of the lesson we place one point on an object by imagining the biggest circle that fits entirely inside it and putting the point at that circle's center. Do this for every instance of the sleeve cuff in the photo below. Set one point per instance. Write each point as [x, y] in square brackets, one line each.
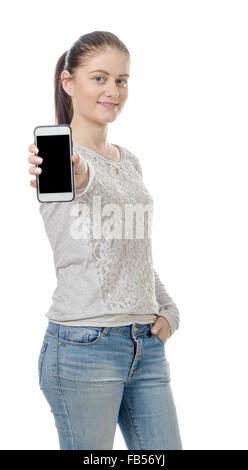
[80, 192]
[167, 307]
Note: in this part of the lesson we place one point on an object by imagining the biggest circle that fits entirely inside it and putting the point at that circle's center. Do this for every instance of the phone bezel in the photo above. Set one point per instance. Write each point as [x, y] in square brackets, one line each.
[55, 129]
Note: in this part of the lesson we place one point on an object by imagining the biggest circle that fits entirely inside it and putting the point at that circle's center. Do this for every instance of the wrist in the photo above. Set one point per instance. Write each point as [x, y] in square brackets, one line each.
[168, 325]
[85, 180]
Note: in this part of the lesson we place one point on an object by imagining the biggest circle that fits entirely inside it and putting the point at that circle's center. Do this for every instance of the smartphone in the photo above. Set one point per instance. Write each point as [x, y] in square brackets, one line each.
[56, 181]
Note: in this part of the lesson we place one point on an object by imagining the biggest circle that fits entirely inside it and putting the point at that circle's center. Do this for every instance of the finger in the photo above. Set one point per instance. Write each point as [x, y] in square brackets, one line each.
[35, 170]
[75, 157]
[35, 160]
[76, 160]
[157, 324]
[165, 321]
[33, 183]
[33, 149]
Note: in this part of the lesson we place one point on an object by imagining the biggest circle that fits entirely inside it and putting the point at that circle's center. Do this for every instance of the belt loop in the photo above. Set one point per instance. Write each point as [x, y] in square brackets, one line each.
[105, 330]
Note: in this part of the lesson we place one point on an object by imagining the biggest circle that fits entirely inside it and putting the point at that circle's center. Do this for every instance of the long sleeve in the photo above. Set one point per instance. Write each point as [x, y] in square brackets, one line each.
[167, 307]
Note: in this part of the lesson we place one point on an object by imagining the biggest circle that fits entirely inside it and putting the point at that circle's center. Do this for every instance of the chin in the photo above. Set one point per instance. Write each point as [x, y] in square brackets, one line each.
[102, 121]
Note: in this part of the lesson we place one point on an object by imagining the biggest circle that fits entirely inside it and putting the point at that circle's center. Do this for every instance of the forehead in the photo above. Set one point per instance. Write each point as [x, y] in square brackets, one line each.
[111, 61]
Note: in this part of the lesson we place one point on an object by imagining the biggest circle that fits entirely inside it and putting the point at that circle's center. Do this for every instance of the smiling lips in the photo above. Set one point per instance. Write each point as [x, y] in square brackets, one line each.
[108, 105]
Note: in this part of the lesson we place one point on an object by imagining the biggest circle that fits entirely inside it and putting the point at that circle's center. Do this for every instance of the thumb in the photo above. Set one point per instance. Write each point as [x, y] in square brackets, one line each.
[79, 163]
[159, 322]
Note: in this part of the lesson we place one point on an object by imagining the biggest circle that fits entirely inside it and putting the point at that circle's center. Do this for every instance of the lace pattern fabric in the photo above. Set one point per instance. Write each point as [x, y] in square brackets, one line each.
[124, 266]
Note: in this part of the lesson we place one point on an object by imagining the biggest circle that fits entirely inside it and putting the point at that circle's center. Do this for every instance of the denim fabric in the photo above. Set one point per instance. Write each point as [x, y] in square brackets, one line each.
[96, 377]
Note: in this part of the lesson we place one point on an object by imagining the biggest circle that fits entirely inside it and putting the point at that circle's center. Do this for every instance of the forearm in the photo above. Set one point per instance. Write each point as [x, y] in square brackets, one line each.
[167, 307]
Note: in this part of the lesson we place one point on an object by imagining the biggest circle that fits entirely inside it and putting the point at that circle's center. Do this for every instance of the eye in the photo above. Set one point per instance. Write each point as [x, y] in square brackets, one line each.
[97, 78]
[121, 80]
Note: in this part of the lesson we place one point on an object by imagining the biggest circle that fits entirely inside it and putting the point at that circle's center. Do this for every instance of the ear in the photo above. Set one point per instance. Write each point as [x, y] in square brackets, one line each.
[67, 82]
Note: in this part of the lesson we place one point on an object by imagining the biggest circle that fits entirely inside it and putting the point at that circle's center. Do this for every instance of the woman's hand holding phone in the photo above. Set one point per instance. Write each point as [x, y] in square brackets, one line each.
[80, 166]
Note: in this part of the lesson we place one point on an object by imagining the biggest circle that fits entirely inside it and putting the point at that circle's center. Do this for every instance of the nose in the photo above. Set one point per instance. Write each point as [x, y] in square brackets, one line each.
[113, 91]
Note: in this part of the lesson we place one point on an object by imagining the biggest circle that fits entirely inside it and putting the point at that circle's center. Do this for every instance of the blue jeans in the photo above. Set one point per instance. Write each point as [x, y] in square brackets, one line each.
[96, 377]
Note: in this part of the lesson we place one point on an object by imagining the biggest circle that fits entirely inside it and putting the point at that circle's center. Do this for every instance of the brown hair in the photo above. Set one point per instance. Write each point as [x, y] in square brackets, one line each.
[87, 45]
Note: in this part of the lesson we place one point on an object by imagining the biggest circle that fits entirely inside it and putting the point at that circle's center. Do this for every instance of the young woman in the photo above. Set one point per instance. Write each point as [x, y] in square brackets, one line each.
[102, 359]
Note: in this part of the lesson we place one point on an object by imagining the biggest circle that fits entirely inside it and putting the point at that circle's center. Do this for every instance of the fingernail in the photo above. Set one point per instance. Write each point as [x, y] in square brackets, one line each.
[154, 330]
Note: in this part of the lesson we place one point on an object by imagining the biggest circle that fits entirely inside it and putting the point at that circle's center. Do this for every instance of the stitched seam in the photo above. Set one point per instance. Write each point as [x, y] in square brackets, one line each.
[44, 347]
[141, 350]
[140, 359]
[131, 421]
[51, 332]
[156, 336]
[62, 396]
[75, 343]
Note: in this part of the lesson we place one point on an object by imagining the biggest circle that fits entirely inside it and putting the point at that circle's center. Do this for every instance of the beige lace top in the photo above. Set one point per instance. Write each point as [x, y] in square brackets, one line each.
[102, 249]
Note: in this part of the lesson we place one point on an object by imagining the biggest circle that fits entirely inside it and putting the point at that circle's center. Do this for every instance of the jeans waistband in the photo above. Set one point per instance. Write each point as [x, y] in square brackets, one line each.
[128, 330]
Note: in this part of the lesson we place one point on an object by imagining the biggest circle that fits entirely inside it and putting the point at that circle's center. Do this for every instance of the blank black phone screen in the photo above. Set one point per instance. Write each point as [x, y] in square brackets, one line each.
[56, 166]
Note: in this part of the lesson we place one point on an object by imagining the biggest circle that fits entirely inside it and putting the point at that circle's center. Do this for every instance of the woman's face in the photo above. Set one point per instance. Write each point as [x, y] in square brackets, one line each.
[103, 78]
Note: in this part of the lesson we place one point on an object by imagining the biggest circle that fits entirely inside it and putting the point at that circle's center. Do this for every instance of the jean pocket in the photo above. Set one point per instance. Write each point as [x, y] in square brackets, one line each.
[83, 336]
[41, 358]
[160, 340]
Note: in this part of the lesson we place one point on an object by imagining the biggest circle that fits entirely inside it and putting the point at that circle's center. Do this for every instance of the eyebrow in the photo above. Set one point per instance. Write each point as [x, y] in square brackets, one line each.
[104, 71]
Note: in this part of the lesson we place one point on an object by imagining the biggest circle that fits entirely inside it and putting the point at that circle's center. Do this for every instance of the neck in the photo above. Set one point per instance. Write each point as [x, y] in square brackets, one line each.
[89, 134]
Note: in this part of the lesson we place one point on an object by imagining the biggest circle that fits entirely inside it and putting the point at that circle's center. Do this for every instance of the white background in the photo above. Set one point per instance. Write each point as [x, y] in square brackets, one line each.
[186, 119]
